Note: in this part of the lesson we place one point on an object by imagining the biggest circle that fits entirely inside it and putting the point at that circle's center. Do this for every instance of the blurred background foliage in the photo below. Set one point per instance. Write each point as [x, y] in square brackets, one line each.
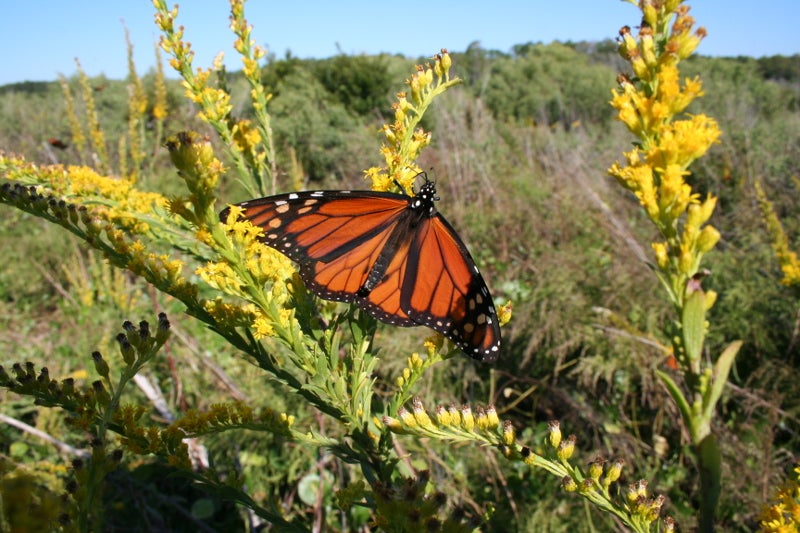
[520, 156]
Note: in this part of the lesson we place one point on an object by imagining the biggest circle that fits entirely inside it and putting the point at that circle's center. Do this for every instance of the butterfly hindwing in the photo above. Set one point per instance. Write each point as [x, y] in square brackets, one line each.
[445, 291]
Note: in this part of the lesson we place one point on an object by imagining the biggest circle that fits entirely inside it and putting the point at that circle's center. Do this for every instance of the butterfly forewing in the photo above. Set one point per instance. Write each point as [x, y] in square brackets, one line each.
[337, 228]
[321, 225]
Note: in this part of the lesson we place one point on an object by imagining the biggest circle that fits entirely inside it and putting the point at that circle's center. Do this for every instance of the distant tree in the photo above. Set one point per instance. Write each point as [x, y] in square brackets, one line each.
[549, 83]
[362, 84]
[783, 68]
[277, 70]
[309, 120]
[474, 64]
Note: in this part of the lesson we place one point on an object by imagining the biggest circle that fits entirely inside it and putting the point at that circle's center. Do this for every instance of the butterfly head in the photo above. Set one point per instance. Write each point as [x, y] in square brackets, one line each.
[425, 197]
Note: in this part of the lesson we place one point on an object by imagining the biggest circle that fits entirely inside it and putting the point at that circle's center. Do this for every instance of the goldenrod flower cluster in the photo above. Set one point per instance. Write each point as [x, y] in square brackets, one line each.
[780, 242]
[250, 146]
[113, 199]
[214, 102]
[482, 425]
[97, 138]
[224, 416]
[245, 45]
[656, 169]
[404, 139]
[652, 104]
[265, 268]
[193, 156]
[783, 514]
[452, 423]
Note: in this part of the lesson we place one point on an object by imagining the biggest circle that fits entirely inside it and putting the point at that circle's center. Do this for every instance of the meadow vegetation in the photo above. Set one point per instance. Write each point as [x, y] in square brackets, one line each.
[304, 414]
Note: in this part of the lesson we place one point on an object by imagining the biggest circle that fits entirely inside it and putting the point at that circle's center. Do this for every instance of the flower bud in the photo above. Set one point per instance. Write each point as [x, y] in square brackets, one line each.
[126, 349]
[491, 415]
[613, 472]
[555, 433]
[566, 448]
[467, 420]
[648, 46]
[443, 417]
[420, 415]
[68, 386]
[407, 418]
[528, 457]
[708, 238]
[455, 415]
[100, 393]
[509, 435]
[446, 61]
[481, 421]
[100, 364]
[393, 424]
[662, 257]
[596, 468]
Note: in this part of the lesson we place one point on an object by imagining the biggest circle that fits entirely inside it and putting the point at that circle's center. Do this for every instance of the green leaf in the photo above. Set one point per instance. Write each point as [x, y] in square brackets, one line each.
[694, 323]
[18, 449]
[721, 370]
[309, 486]
[677, 395]
[203, 509]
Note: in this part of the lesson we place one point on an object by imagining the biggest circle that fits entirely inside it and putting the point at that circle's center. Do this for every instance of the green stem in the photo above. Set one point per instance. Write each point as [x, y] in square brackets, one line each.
[709, 461]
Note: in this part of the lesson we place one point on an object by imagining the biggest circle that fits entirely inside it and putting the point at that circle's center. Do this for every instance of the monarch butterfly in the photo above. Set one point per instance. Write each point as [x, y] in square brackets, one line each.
[392, 254]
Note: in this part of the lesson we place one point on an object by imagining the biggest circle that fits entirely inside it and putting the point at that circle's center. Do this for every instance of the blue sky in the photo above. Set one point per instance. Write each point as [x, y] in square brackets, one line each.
[41, 38]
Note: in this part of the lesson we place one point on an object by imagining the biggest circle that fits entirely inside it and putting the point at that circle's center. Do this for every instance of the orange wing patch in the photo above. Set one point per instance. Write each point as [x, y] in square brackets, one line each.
[384, 302]
[449, 294]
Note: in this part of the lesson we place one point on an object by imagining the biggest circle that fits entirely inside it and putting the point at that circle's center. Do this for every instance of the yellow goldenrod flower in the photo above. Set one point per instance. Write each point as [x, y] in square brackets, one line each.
[406, 417]
[420, 415]
[481, 421]
[509, 434]
[569, 484]
[566, 448]
[467, 419]
[97, 138]
[555, 433]
[455, 414]
[656, 170]
[789, 263]
[596, 468]
[504, 313]
[404, 140]
[443, 417]
[782, 513]
[493, 422]
[613, 472]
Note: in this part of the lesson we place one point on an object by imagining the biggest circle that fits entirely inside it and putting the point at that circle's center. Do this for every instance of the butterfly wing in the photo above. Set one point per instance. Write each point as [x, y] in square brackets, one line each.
[443, 289]
[336, 237]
